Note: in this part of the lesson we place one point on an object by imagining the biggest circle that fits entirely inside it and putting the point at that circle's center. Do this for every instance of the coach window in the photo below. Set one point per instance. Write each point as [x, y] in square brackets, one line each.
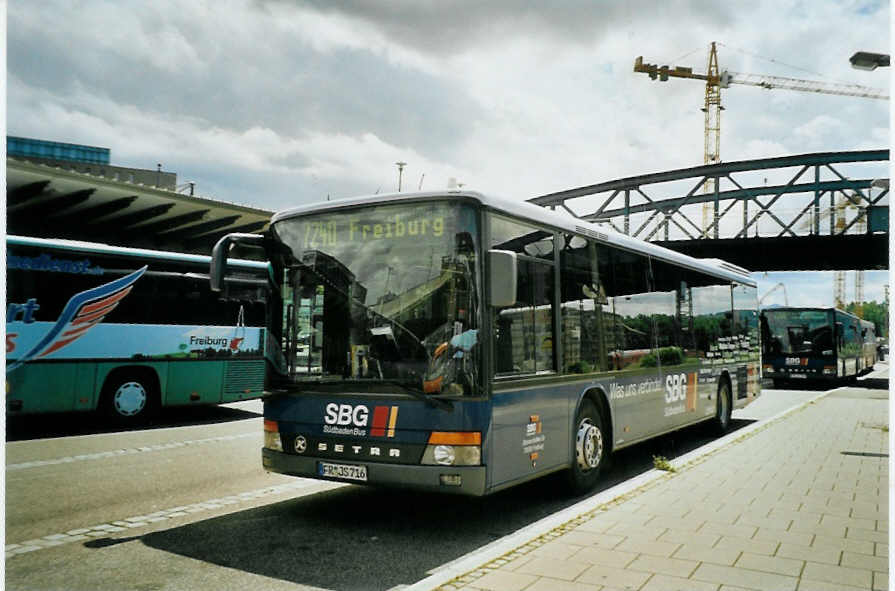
[711, 319]
[583, 264]
[669, 309]
[700, 323]
[745, 318]
[521, 238]
[523, 342]
[627, 317]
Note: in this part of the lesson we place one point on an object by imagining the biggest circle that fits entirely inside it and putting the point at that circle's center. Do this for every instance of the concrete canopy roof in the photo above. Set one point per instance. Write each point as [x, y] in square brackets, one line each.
[50, 202]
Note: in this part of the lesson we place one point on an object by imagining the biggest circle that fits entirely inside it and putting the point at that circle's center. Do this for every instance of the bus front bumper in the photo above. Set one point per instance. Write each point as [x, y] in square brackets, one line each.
[797, 374]
[462, 480]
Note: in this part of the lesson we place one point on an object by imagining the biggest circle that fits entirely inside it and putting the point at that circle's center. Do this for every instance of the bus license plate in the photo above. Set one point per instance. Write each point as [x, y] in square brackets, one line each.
[344, 471]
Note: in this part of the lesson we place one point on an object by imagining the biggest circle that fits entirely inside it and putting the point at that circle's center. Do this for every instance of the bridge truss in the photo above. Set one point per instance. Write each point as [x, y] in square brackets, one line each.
[814, 194]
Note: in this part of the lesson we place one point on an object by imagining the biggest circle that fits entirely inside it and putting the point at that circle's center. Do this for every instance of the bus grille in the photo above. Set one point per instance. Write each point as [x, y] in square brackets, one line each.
[244, 377]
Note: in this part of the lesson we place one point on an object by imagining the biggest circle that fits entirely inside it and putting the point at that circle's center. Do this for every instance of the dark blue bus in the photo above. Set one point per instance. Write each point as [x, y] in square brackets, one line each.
[452, 341]
[815, 345]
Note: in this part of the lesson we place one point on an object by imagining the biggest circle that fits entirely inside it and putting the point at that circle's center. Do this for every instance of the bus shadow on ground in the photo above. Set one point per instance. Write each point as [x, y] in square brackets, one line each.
[371, 538]
[873, 383]
[25, 427]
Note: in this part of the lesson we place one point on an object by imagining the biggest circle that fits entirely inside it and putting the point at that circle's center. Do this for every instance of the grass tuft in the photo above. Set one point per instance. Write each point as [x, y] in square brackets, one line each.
[662, 463]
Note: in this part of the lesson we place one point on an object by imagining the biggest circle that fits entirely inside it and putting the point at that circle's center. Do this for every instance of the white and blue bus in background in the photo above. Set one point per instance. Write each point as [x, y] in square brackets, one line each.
[128, 331]
[452, 341]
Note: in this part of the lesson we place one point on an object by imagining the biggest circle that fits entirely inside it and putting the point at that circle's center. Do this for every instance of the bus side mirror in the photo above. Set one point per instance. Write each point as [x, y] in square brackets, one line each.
[502, 275]
[222, 249]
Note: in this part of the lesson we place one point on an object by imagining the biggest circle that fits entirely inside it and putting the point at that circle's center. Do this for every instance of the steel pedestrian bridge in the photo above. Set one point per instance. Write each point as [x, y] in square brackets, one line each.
[820, 211]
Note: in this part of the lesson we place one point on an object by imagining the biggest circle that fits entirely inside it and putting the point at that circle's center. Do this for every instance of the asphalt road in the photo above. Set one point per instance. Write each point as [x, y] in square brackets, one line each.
[186, 505]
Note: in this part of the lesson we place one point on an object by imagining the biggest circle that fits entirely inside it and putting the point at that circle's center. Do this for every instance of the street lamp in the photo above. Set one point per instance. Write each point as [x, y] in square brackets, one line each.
[865, 60]
[401, 166]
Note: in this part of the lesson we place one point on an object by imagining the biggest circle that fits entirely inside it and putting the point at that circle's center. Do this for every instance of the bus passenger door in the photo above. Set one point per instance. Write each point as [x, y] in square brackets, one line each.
[633, 382]
[530, 415]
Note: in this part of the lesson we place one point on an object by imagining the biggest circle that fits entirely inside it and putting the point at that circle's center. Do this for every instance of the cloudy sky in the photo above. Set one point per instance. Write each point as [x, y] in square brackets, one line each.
[280, 103]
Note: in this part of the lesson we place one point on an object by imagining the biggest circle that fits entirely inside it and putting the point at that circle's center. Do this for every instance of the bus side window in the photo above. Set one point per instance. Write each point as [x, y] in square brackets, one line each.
[583, 265]
[627, 314]
[524, 331]
[524, 342]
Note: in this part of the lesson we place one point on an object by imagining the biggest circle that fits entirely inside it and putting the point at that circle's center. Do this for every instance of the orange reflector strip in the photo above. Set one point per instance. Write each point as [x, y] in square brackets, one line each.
[392, 419]
[271, 426]
[455, 438]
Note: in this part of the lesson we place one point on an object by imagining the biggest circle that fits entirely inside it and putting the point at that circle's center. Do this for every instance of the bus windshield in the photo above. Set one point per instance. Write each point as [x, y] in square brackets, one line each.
[799, 331]
[383, 296]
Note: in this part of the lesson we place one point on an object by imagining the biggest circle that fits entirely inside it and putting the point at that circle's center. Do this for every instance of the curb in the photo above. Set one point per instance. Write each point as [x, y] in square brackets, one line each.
[479, 562]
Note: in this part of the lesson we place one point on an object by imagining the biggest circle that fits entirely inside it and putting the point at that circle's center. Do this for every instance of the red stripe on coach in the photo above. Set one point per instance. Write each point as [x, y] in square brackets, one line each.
[380, 420]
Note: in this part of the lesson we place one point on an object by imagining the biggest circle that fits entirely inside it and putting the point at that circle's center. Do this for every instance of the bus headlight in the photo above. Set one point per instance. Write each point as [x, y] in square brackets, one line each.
[272, 436]
[452, 455]
[453, 449]
[444, 455]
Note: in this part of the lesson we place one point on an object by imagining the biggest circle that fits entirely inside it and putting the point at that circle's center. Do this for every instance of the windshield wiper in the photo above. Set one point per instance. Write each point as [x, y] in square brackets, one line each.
[444, 405]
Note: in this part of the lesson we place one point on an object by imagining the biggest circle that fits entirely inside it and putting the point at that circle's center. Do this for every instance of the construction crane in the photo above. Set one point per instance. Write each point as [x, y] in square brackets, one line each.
[839, 291]
[715, 80]
[772, 290]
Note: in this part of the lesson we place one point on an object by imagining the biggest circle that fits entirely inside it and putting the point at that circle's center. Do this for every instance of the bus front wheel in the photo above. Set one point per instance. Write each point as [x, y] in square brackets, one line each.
[129, 398]
[723, 407]
[588, 448]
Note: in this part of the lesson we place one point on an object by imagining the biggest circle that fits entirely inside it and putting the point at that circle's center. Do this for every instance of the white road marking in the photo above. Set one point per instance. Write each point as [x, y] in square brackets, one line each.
[137, 521]
[129, 451]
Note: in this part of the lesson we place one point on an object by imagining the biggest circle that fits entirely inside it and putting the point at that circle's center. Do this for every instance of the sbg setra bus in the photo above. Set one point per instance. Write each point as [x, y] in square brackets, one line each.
[815, 345]
[457, 342]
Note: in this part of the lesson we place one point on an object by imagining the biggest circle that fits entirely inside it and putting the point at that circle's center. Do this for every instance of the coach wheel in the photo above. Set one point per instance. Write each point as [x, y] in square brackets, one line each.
[129, 398]
[588, 448]
[723, 408]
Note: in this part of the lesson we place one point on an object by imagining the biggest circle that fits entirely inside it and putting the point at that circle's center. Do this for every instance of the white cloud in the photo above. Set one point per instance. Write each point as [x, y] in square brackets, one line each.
[326, 97]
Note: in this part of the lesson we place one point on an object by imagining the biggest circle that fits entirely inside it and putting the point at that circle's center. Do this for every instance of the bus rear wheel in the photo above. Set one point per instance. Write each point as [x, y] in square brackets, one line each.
[129, 398]
[588, 448]
[723, 408]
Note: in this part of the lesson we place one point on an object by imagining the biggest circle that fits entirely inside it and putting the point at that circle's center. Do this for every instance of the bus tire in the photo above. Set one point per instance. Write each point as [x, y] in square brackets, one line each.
[129, 397]
[589, 448]
[723, 407]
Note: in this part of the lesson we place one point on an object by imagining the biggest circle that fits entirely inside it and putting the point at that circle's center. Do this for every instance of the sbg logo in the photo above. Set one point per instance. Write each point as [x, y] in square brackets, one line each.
[345, 414]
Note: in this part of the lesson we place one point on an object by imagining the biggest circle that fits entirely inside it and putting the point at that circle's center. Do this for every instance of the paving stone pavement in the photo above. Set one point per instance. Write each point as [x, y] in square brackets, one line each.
[799, 505]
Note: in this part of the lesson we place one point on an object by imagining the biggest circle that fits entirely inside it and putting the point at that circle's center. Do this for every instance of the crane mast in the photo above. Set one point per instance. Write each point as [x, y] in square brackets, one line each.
[712, 108]
[839, 290]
